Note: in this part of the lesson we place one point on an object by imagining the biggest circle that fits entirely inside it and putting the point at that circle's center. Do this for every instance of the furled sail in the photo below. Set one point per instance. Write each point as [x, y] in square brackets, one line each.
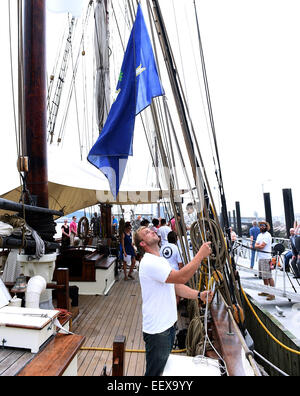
[102, 62]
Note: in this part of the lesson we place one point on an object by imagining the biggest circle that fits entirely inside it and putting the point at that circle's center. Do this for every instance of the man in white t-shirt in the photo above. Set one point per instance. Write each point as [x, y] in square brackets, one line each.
[160, 284]
[163, 232]
[264, 246]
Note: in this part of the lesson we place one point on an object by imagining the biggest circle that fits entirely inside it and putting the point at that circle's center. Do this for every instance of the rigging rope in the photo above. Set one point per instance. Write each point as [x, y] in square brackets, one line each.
[127, 350]
[75, 65]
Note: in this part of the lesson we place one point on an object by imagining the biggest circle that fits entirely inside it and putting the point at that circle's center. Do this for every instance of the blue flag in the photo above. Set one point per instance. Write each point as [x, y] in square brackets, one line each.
[138, 84]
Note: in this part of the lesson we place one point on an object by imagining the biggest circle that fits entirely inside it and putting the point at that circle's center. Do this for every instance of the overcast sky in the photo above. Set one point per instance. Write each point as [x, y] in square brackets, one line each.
[253, 65]
[252, 53]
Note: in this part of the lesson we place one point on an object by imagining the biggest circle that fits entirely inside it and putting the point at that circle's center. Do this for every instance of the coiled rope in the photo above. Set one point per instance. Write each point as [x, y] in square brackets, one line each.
[195, 337]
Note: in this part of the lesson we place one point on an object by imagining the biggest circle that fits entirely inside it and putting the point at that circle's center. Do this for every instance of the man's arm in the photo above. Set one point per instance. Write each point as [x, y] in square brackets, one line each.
[184, 275]
[260, 245]
[192, 294]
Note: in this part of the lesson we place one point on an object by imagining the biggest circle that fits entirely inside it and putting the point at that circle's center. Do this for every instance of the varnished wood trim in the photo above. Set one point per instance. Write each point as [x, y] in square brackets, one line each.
[230, 346]
[55, 358]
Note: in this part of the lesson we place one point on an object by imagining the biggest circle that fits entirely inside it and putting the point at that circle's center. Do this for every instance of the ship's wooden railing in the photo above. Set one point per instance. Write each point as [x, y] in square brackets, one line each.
[232, 344]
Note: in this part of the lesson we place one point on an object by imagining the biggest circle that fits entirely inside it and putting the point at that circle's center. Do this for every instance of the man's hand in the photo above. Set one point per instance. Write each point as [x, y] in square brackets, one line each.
[206, 296]
[205, 249]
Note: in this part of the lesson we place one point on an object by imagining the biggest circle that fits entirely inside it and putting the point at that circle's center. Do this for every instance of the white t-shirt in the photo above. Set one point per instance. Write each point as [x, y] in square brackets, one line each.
[171, 253]
[267, 239]
[163, 233]
[159, 299]
[190, 218]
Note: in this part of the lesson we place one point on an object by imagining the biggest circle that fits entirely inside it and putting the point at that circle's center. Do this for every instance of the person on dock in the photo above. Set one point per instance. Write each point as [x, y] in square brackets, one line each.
[129, 256]
[73, 230]
[254, 232]
[297, 243]
[233, 235]
[160, 284]
[291, 258]
[264, 246]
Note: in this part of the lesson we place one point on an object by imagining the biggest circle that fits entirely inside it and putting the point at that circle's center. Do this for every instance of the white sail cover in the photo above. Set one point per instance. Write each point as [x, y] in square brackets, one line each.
[75, 184]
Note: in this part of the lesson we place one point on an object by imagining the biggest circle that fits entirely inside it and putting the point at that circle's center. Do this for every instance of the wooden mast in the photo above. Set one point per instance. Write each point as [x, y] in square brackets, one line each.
[35, 119]
[35, 99]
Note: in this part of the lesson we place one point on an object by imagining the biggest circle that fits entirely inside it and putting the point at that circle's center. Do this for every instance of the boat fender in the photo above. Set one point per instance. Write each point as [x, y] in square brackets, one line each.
[36, 285]
[238, 314]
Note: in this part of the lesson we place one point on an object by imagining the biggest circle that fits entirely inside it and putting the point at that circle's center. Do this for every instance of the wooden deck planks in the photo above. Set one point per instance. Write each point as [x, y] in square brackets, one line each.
[95, 325]
[109, 328]
[124, 323]
[12, 361]
[101, 319]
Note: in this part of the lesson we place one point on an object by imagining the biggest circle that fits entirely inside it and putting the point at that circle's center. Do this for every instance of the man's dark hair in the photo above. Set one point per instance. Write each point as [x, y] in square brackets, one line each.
[172, 237]
[155, 222]
[145, 223]
[163, 222]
